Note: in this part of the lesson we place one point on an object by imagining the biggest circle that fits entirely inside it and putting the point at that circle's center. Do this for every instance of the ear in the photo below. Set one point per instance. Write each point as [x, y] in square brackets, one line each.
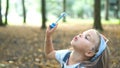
[89, 53]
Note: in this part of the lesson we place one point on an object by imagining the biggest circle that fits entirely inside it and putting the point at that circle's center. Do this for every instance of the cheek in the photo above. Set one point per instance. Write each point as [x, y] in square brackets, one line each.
[75, 43]
[79, 42]
[80, 45]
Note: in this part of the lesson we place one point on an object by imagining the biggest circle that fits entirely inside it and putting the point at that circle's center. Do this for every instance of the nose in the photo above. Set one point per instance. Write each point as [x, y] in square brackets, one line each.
[80, 35]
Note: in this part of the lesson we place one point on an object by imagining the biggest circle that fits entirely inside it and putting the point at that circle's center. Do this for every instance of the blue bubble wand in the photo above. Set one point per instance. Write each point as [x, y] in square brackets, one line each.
[61, 16]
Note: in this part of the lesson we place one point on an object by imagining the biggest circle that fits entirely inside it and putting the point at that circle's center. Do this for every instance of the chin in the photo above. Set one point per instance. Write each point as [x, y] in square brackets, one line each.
[72, 43]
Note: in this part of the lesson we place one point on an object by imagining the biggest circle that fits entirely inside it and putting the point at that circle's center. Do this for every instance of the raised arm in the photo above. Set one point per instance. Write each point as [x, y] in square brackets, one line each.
[49, 49]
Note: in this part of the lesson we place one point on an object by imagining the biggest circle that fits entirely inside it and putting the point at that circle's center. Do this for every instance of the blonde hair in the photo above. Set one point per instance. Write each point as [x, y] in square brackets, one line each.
[103, 60]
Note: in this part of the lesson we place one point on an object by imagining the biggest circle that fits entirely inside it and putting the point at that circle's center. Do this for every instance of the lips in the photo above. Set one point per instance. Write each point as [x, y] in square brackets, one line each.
[75, 38]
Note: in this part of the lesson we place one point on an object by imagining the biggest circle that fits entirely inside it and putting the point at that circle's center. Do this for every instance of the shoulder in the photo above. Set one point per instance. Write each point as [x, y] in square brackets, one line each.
[62, 51]
[60, 54]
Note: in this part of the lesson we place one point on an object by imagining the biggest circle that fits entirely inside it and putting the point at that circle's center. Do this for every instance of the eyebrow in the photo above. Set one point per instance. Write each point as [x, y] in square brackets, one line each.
[89, 35]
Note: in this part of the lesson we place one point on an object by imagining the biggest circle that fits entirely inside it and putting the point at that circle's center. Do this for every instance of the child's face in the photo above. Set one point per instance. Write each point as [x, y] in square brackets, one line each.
[85, 41]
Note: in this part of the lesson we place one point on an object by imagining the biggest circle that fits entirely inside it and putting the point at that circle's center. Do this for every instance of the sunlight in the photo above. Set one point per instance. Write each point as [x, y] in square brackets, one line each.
[32, 19]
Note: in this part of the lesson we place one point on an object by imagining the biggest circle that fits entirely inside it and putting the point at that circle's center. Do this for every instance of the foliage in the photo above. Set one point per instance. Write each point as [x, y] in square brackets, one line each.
[75, 9]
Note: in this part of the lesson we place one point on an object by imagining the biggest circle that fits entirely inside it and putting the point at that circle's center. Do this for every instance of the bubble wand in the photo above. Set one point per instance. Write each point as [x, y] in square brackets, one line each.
[54, 23]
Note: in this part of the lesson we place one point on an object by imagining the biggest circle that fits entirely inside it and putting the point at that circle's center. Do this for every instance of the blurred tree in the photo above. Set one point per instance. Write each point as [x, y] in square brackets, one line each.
[6, 13]
[24, 11]
[64, 9]
[119, 5]
[114, 6]
[97, 16]
[1, 22]
[43, 3]
[116, 13]
[107, 10]
[118, 8]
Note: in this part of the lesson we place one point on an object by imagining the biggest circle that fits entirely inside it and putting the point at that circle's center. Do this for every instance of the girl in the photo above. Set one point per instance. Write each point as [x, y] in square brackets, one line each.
[89, 50]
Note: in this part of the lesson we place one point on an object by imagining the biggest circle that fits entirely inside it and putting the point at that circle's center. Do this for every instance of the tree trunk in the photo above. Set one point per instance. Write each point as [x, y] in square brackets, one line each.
[6, 13]
[1, 23]
[97, 16]
[106, 10]
[43, 14]
[64, 9]
[24, 11]
[117, 10]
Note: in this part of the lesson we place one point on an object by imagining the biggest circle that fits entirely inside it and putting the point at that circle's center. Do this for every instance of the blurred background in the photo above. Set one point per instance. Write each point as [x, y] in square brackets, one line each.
[18, 12]
[23, 24]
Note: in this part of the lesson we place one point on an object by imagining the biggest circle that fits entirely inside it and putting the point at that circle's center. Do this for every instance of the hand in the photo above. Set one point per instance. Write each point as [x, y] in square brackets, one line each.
[50, 31]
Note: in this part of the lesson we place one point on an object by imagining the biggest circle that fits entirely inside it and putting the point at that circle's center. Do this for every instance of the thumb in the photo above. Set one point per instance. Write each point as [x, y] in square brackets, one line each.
[53, 29]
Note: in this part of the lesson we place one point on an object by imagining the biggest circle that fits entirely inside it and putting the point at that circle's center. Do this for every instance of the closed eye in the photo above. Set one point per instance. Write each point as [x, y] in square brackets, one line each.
[87, 37]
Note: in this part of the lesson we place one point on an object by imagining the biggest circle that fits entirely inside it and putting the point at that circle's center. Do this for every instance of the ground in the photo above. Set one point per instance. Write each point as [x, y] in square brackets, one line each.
[23, 46]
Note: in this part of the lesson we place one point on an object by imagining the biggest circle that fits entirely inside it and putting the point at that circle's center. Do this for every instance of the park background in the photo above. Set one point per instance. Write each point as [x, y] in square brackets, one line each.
[23, 24]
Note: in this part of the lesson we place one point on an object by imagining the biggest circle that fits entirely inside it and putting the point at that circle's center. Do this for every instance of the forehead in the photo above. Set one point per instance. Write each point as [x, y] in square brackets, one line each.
[91, 31]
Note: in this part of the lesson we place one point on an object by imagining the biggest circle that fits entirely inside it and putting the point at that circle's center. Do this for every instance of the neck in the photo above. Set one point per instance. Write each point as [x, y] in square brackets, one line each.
[76, 57]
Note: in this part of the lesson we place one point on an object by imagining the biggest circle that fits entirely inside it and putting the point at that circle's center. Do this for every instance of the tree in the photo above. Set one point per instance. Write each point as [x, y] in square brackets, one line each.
[24, 11]
[118, 8]
[64, 9]
[107, 10]
[1, 23]
[43, 3]
[97, 16]
[6, 13]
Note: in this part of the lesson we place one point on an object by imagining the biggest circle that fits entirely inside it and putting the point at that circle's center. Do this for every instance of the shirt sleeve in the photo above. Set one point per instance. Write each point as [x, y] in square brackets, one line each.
[59, 55]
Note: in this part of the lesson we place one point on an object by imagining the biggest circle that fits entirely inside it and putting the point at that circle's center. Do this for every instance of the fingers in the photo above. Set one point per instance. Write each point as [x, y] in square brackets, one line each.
[50, 31]
[53, 29]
